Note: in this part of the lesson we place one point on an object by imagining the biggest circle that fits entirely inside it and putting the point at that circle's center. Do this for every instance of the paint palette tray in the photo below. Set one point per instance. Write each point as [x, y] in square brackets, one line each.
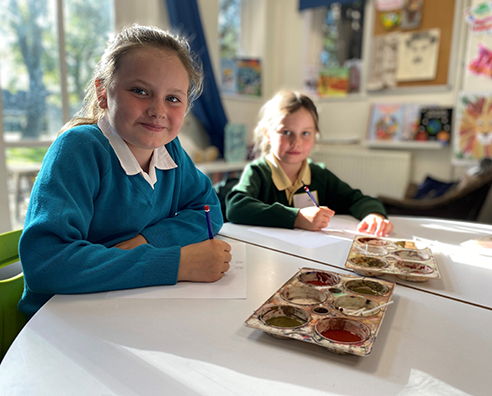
[342, 313]
[372, 256]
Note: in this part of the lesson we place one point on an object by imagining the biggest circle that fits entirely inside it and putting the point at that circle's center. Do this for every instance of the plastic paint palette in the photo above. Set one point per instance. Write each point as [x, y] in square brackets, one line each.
[326, 309]
[371, 256]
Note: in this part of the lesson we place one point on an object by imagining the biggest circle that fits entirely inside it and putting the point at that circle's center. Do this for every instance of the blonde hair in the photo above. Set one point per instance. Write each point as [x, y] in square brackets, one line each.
[283, 103]
[129, 38]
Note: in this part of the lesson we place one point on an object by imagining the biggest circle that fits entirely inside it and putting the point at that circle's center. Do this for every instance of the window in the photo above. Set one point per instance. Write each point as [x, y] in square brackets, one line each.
[334, 49]
[241, 41]
[40, 94]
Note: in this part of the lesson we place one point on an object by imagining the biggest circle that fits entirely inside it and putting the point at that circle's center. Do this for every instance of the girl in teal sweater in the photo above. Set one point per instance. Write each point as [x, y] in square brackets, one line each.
[118, 203]
[271, 189]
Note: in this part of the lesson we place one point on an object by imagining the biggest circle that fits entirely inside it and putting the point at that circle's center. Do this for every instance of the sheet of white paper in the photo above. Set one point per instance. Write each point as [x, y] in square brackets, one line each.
[340, 229]
[231, 286]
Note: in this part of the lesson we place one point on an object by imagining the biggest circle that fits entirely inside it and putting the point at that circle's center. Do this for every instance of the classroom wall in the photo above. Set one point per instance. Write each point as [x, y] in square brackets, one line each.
[282, 27]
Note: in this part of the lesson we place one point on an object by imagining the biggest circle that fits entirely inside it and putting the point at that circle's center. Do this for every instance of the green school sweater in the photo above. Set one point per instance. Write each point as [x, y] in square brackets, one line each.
[256, 201]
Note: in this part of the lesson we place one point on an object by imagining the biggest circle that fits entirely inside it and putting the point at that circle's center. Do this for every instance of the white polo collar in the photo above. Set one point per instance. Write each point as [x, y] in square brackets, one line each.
[160, 159]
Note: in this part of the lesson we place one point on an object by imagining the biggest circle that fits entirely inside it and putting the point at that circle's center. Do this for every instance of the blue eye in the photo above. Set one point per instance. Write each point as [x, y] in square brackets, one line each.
[306, 134]
[173, 99]
[286, 133]
[139, 91]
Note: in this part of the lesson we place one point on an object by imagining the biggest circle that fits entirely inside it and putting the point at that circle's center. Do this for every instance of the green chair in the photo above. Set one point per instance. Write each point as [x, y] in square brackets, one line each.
[11, 320]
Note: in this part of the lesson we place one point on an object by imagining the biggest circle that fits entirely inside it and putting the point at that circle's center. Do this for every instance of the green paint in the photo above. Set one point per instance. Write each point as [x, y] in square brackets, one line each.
[284, 321]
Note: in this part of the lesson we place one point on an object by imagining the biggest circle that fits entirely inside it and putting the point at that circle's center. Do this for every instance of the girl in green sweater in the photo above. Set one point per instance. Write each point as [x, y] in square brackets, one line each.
[271, 189]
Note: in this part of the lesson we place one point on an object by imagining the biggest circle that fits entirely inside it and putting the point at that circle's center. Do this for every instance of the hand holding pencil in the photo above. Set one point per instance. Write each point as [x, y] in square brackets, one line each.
[313, 218]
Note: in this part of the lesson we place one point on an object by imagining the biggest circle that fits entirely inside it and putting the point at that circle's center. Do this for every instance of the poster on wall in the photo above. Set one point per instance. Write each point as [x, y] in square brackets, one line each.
[473, 127]
[418, 55]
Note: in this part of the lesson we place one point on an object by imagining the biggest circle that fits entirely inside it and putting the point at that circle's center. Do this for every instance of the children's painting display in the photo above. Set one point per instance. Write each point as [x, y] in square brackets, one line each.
[342, 313]
[405, 122]
[473, 131]
[387, 120]
[241, 76]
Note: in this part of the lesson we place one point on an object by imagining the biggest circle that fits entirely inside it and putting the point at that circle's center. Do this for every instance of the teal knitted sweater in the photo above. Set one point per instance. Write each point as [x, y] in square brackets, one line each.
[83, 203]
[255, 200]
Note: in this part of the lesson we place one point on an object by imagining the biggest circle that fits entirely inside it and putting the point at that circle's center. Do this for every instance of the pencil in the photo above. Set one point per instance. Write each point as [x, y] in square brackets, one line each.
[209, 222]
[310, 195]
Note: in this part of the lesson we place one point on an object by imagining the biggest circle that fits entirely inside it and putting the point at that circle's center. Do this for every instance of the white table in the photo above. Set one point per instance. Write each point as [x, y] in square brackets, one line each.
[93, 345]
[465, 275]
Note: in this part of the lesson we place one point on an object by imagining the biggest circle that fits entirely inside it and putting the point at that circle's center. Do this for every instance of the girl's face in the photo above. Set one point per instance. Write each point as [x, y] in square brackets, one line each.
[147, 101]
[293, 138]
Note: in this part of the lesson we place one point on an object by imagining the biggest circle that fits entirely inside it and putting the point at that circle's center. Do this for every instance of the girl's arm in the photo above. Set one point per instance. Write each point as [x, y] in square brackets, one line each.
[252, 201]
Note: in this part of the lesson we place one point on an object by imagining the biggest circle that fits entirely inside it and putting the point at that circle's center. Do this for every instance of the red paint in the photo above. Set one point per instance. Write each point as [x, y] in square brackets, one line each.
[341, 336]
[322, 280]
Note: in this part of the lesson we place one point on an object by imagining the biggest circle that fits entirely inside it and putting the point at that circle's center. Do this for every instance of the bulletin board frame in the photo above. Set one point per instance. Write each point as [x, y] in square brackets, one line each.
[441, 14]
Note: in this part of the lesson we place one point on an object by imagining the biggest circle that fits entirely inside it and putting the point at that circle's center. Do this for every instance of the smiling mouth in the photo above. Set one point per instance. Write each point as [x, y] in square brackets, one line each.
[153, 127]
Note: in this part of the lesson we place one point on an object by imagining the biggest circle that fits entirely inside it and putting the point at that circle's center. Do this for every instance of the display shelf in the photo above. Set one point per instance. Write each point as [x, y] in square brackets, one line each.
[421, 145]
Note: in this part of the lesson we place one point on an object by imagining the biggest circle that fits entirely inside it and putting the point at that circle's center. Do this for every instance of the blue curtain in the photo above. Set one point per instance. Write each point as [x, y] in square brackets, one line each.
[304, 4]
[185, 20]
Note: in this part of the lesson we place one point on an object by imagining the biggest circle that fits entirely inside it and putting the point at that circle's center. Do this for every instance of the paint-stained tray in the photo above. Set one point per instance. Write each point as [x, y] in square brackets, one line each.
[327, 309]
[372, 256]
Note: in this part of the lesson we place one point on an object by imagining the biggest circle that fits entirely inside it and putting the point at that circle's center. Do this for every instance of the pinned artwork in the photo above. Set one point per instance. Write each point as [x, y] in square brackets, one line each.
[342, 313]
[418, 55]
[473, 130]
[384, 56]
[371, 256]
[411, 14]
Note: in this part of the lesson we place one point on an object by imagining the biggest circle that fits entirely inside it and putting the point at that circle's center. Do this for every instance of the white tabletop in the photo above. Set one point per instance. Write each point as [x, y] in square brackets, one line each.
[94, 345]
[465, 275]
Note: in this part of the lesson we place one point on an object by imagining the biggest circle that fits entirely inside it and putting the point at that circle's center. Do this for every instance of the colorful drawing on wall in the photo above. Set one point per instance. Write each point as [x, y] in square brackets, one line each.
[482, 63]
[386, 122]
[479, 17]
[473, 130]
[435, 124]
[333, 81]
[418, 55]
[249, 77]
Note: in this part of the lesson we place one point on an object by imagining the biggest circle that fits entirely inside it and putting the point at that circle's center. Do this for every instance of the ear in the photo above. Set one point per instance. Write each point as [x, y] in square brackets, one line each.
[266, 134]
[102, 99]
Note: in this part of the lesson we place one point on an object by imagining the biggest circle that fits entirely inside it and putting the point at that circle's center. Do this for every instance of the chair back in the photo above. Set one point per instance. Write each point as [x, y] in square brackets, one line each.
[11, 289]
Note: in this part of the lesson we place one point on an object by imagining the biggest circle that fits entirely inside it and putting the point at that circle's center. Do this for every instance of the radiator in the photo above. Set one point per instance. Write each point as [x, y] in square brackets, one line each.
[374, 172]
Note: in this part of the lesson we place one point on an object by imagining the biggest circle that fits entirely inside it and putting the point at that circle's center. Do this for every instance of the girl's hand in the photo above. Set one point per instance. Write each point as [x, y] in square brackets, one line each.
[313, 218]
[376, 224]
[132, 243]
[205, 261]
